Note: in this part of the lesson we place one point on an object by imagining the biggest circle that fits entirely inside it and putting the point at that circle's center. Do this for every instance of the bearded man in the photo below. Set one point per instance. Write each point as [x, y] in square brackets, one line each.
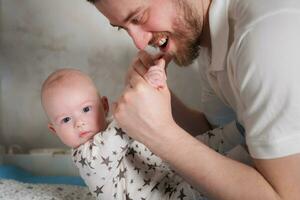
[249, 57]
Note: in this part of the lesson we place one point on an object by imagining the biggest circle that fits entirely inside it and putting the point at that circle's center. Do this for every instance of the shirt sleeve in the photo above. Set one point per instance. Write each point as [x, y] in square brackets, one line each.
[99, 159]
[267, 80]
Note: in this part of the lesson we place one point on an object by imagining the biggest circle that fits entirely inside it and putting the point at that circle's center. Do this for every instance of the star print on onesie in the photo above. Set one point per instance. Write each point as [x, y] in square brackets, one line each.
[116, 167]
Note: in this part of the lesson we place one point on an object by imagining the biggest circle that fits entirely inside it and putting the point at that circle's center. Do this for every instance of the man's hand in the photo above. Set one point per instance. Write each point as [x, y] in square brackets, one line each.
[144, 61]
[140, 64]
[142, 110]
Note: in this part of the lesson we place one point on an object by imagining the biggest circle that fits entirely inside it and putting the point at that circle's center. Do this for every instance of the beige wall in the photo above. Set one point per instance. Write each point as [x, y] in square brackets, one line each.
[39, 36]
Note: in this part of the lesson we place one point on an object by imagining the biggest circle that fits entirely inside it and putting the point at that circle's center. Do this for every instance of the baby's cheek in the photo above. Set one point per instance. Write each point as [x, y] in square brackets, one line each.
[99, 124]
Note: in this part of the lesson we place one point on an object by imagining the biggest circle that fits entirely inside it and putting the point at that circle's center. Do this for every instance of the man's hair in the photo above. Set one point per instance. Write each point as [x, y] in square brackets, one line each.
[92, 1]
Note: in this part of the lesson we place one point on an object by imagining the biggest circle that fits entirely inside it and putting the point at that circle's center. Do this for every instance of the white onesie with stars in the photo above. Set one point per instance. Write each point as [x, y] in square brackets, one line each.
[116, 167]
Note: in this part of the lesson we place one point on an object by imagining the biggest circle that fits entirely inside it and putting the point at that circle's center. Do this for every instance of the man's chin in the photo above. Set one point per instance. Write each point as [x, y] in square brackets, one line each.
[183, 62]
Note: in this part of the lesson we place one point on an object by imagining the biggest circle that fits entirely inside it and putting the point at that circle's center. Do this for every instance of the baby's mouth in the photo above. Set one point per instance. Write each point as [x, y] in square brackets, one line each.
[83, 134]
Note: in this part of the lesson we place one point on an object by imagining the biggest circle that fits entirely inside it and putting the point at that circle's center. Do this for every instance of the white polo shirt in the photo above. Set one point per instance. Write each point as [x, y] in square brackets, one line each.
[255, 70]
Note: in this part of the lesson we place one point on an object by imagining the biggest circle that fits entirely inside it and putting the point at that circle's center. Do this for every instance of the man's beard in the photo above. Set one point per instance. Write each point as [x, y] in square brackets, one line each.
[187, 35]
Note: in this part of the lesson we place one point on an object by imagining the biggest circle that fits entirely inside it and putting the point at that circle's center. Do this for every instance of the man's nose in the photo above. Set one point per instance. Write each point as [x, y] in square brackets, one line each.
[140, 37]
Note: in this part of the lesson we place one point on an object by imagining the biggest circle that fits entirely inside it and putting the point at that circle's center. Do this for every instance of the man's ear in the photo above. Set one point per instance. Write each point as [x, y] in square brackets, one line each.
[51, 128]
[105, 104]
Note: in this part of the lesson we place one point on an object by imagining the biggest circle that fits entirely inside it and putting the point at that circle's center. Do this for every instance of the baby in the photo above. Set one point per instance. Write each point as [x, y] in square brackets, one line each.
[111, 163]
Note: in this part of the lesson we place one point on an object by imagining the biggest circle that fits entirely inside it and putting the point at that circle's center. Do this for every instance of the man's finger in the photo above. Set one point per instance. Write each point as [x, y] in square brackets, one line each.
[146, 59]
[140, 68]
[165, 56]
[135, 79]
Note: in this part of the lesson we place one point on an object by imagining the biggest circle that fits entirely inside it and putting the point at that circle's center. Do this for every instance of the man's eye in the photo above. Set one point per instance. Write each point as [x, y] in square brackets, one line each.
[86, 109]
[135, 20]
[66, 120]
[119, 28]
[140, 19]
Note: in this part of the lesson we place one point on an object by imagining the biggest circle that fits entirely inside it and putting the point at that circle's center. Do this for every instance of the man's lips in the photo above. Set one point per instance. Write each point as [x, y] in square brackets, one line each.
[164, 47]
[82, 134]
[159, 40]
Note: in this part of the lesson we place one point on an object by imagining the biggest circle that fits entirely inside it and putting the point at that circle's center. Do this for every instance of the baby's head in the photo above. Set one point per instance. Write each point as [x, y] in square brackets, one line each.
[75, 109]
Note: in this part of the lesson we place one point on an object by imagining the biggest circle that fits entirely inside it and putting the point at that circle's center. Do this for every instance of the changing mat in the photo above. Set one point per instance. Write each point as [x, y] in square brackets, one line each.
[19, 174]
[19, 184]
[15, 190]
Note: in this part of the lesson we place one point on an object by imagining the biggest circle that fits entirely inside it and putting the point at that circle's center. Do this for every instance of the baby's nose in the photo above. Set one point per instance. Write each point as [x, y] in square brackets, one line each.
[79, 123]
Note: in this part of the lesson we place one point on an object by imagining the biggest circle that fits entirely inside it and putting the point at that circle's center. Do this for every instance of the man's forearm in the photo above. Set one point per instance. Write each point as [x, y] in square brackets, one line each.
[194, 122]
[216, 176]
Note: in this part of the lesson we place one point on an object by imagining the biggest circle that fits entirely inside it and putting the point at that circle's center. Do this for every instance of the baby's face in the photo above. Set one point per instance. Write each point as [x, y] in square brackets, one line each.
[76, 112]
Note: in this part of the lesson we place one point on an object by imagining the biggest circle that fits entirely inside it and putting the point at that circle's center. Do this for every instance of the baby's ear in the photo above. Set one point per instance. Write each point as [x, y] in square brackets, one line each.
[51, 128]
[105, 104]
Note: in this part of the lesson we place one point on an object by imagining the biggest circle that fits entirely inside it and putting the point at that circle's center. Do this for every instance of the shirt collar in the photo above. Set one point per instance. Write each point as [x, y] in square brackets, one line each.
[219, 30]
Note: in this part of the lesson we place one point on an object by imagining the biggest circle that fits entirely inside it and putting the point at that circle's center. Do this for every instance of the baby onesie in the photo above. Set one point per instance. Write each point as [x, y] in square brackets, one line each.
[116, 167]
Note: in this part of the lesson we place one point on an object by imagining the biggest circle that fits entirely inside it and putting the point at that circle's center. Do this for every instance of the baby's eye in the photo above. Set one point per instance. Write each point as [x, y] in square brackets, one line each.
[66, 120]
[86, 109]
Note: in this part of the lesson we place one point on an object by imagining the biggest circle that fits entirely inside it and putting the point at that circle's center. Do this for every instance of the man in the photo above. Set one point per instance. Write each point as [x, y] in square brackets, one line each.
[251, 48]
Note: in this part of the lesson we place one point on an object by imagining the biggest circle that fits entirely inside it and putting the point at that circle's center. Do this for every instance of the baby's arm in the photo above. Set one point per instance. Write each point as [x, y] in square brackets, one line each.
[156, 74]
[223, 139]
[99, 160]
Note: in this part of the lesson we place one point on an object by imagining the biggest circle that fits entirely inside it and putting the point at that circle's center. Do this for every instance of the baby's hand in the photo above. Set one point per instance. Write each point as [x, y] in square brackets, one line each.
[156, 74]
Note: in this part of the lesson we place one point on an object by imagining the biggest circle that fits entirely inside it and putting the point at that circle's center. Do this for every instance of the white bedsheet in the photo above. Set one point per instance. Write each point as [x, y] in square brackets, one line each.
[14, 190]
